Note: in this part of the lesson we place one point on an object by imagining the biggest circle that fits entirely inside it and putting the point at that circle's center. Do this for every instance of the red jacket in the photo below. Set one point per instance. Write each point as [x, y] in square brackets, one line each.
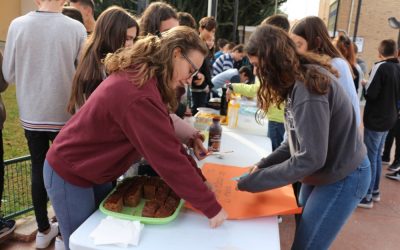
[119, 123]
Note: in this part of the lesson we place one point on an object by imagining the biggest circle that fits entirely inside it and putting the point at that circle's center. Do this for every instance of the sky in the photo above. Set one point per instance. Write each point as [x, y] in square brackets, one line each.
[297, 9]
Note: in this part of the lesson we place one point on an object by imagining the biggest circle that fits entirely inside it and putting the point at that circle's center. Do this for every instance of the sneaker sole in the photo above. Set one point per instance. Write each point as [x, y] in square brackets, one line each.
[394, 169]
[393, 178]
[365, 206]
[8, 232]
[376, 199]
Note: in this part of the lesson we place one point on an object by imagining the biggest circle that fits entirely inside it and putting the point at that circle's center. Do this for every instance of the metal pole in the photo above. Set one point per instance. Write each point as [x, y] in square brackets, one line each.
[350, 16]
[214, 8]
[336, 18]
[235, 19]
[357, 19]
[398, 41]
[276, 7]
[209, 7]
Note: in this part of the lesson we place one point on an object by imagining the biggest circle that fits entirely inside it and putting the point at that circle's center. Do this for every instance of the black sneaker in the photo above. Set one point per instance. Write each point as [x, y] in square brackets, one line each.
[6, 227]
[364, 203]
[385, 160]
[395, 166]
[376, 196]
[394, 175]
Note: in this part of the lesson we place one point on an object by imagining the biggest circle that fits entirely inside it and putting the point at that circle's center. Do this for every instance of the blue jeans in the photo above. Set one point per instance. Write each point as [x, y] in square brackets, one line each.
[276, 130]
[326, 208]
[72, 204]
[374, 142]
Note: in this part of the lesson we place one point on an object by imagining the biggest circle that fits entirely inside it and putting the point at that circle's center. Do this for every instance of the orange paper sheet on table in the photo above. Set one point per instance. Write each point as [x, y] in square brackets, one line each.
[245, 205]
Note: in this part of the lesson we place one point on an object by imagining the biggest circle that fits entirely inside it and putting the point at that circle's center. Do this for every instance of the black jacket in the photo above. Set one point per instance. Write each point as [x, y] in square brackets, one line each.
[382, 95]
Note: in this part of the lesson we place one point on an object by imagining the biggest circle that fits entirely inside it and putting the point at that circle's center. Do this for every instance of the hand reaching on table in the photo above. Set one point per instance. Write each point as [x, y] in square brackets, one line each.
[198, 148]
[253, 169]
[217, 220]
[210, 186]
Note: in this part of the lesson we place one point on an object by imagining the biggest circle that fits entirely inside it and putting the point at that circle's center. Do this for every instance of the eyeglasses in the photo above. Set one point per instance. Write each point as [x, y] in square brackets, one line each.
[196, 70]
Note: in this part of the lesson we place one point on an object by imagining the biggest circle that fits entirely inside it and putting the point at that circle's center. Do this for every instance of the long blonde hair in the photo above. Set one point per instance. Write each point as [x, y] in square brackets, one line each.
[152, 56]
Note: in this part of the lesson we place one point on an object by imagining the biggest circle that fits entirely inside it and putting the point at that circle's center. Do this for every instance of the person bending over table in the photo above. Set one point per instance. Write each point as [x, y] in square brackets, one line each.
[324, 149]
[125, 118]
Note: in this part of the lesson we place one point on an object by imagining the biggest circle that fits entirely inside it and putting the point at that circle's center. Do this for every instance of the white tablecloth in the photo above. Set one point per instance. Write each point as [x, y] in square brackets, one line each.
[190, 231]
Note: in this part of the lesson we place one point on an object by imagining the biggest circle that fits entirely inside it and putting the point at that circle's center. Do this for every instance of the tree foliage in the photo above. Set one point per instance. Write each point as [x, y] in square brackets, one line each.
[250, 12]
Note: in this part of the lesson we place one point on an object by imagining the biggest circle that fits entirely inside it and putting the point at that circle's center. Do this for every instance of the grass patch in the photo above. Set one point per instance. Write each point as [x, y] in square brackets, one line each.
[14, 141]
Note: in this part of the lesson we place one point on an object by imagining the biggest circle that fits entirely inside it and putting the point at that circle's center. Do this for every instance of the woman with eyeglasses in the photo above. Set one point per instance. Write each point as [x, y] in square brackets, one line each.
[115, 28]
[125, 118]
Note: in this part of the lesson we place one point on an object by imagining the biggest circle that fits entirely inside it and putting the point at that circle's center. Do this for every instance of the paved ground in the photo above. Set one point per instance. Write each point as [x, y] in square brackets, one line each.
[376, 228]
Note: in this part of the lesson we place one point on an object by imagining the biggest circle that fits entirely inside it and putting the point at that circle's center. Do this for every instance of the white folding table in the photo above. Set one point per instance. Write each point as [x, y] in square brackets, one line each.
[190, 230]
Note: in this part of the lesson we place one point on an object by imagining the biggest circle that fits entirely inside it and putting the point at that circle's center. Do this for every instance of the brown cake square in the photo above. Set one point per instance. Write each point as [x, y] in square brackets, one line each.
[163, 212]
[133, 195]
[150, 188]
[162, 194]
[150, 208]
[114, 202]
[172, 202]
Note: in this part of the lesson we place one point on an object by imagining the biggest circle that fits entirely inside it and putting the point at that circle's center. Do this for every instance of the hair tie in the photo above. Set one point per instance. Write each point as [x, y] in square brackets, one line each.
[158, 33]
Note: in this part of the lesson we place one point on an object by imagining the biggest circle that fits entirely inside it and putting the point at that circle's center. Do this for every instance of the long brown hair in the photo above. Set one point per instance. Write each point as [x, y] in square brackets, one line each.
[108, 36]
[314, 31]
[346, 47]
[280, 65]
[152, 57]
[152, 17]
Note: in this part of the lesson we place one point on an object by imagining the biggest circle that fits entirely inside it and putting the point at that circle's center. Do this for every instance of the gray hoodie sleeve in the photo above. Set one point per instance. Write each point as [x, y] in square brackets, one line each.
[312, 119]
[281, 154]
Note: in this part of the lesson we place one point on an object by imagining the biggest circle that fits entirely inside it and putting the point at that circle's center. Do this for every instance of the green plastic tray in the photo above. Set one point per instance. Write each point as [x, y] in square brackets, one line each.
[135, 213]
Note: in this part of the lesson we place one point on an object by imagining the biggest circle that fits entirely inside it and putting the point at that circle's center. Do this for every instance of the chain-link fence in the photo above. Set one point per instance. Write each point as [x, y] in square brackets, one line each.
[17, 187]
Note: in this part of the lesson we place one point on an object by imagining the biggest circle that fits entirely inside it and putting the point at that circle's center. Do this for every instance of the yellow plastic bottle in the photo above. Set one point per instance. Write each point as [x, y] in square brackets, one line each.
[233, 113]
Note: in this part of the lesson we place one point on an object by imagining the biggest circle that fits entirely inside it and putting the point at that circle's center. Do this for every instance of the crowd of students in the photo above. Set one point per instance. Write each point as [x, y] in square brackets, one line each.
[107, 93]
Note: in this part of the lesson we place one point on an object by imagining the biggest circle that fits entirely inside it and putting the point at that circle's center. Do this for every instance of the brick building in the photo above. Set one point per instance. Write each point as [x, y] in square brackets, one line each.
[373, 23]
[10, 10]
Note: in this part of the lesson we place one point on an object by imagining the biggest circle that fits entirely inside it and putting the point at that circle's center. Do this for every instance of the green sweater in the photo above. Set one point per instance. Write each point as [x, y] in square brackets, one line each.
[250, 90]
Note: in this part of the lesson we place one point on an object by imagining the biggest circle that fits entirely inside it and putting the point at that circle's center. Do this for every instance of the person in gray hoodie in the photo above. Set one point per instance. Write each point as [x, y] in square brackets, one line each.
[324, 148]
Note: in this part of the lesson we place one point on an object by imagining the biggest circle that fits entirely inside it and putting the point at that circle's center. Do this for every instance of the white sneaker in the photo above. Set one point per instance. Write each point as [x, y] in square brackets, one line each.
[44, 240]
[59, 244]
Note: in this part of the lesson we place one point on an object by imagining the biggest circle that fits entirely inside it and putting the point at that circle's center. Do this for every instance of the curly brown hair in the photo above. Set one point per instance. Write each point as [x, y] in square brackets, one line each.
[151, 57]
[280, 66]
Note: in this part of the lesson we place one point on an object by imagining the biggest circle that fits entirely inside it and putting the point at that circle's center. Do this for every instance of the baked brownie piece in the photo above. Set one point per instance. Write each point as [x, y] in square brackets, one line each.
[174, 195]
[123, 186]
[150, 208]
[162, 194]
[172, 202]
[133, 195]
[163, 185]
[150, 188]
[163, 212]
[141, 179]
[114, 202]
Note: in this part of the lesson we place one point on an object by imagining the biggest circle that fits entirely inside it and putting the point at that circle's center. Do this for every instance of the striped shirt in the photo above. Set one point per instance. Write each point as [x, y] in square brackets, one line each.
[223, 63]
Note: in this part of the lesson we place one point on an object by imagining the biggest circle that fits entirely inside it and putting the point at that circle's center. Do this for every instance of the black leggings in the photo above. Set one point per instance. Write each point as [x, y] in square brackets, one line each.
[39, 143]
[393, 134]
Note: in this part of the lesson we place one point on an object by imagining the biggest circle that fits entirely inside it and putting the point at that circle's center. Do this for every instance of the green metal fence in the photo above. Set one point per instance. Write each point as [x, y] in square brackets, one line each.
[17, 187]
